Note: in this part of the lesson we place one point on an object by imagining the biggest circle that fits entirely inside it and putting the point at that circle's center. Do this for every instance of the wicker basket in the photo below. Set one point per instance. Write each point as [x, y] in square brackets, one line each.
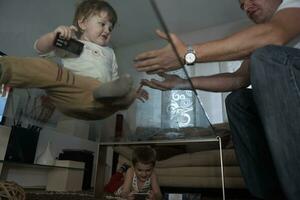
[11, 191]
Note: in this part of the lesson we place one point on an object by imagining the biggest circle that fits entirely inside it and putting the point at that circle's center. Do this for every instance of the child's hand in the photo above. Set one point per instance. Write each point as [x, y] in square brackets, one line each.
[142, 94]
[130, 196]
[67, 32]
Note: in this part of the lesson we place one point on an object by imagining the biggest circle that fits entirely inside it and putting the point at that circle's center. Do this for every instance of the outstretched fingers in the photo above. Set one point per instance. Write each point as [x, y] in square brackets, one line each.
[155, 84]
[161, 34]
[147, 63]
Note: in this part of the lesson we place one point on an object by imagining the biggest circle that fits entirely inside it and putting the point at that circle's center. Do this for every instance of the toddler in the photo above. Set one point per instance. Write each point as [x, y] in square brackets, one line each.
[141, 178]
[85, 86]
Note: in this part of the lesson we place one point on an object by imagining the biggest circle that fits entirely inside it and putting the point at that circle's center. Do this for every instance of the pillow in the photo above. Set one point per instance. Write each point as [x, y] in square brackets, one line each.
[202, 158]
[162, 152]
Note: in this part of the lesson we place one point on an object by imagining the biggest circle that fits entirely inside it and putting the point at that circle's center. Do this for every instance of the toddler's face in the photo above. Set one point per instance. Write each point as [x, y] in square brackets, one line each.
[97, 28]
[143, 171]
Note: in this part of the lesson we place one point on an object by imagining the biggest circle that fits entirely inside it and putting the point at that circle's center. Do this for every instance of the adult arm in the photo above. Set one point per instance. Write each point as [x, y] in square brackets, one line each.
[222, 82]
[279, 30]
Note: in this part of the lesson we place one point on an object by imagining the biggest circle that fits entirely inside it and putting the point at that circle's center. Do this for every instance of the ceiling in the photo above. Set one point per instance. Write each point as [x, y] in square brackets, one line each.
[137, 20]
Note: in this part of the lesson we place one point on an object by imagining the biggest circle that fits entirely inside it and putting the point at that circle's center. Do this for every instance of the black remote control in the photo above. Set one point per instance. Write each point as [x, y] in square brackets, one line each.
[71, 45]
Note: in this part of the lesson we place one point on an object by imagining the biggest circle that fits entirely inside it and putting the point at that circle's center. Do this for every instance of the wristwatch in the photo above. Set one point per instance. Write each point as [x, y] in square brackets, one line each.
[190, 56]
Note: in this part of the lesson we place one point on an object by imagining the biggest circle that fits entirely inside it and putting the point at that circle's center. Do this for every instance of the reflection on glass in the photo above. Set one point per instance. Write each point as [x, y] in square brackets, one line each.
[178, 109]
[167, 115]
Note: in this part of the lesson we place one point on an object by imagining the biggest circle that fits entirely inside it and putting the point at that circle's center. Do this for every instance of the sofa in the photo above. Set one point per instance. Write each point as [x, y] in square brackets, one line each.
[194, 165]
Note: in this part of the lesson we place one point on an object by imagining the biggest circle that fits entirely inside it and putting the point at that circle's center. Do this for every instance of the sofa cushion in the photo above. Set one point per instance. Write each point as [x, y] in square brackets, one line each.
[207, 171]
[162, 152]
[125, 151]
[200, 182]
[202, 158]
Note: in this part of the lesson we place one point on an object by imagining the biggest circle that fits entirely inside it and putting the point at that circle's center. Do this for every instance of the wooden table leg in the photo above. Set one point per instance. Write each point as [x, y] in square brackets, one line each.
[100, 174]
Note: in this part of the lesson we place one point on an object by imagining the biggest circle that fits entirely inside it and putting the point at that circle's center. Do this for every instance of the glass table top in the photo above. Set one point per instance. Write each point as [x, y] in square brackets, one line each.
[175, 115]
[168, 116]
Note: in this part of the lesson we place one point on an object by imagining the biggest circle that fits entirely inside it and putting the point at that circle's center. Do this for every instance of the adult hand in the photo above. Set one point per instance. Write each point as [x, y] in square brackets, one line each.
[169, 82]
[163, 59]
[67, 32]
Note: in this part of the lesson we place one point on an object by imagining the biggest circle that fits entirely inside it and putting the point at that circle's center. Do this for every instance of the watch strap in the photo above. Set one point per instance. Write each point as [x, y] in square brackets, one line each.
[190, 49]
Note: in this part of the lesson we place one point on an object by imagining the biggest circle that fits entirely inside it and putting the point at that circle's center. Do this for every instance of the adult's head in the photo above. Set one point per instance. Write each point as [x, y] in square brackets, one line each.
[260, 11]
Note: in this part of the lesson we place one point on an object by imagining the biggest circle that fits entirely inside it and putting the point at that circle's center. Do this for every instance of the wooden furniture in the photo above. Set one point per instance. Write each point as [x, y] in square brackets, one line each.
[67, 176]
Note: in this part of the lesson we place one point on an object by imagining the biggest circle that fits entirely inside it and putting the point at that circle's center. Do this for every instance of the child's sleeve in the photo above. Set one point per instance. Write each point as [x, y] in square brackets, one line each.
[55, 53]
[115, 182]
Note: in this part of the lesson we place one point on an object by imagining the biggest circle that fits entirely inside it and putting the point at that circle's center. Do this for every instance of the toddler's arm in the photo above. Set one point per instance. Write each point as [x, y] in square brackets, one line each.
[155, 193]
[127, 184]
[45, 43]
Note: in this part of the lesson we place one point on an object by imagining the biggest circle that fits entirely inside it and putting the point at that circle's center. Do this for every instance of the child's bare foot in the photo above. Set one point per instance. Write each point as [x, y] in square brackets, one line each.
[114, 89]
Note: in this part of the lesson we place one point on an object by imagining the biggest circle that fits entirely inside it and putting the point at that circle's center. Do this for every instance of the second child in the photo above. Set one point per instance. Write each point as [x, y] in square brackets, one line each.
[141, 178]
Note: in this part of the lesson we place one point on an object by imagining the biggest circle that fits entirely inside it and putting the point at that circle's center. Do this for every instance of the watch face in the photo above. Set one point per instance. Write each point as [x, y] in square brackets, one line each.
[190, 58]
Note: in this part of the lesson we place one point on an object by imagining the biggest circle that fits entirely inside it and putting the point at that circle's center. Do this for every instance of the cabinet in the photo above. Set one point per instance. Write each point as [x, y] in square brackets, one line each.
[67, 176]
[64, 175]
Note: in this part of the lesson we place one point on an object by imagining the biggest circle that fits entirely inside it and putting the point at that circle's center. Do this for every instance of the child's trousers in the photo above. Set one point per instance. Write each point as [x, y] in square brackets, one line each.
[72, 94]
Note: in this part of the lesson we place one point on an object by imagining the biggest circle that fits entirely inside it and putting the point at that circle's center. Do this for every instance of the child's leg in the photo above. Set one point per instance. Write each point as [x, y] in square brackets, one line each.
[72, 94]
[114, 89]
[64, 88]
[25, 72]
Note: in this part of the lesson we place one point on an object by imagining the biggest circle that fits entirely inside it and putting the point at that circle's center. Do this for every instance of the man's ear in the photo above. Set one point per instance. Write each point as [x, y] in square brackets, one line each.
[82, 23]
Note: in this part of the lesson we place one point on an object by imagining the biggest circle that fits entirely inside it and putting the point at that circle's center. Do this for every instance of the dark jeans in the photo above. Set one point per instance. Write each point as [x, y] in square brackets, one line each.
[265, 124]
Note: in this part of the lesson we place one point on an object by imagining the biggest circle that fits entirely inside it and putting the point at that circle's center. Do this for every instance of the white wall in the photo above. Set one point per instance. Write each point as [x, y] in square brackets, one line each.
[22, 22]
